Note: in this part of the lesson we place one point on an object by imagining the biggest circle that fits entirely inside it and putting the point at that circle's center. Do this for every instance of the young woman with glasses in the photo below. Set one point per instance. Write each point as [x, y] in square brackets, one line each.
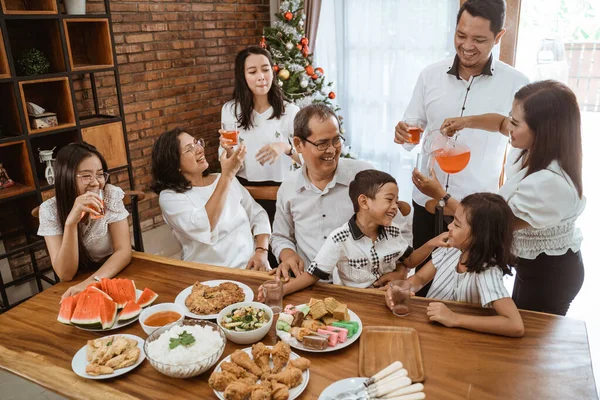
[212, 215]
[85, 225]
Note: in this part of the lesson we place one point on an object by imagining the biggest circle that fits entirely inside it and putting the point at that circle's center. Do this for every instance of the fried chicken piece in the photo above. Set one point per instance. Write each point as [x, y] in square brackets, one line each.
[238, 371]
[124, 360]
[95, 370]
[261, 392]
[301, 363]
[261, 355]
[220, 380]
[281, 354]
[242, 359]
[279, 391]
[290, 376]
[237, 391]
[117, 347]
[95, 345]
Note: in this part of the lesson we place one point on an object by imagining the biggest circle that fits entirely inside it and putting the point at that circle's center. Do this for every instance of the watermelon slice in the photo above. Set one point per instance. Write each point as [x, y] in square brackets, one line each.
[67, 307]
[94, 289]
[87, 313]
[130, 311]
[146, 298]
[108, 313]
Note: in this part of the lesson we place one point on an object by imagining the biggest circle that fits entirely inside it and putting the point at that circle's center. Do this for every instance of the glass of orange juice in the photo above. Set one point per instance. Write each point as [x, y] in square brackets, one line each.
[231, 132]
[101, 211]
[415, 129]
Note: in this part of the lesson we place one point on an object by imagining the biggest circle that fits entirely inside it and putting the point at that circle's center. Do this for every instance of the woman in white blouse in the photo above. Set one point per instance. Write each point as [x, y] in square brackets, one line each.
[544, 191]
[85, 225]
[214, 217]
[265, 122]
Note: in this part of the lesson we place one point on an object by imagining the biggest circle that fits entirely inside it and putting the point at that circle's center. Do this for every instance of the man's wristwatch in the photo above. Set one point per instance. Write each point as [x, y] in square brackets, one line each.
[444, 200]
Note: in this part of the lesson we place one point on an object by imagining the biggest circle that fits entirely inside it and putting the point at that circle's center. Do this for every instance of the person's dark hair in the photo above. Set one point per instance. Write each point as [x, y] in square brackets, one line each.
[490, 219]
[242, 95]
[368, 182]
[65, 184]
[165, 163]
[301, 120]
[552, 114]
[492, 10]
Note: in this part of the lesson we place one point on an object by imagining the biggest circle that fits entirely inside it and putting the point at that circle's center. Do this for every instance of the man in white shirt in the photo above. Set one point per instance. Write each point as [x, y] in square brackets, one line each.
[315, 200]
[473, 83]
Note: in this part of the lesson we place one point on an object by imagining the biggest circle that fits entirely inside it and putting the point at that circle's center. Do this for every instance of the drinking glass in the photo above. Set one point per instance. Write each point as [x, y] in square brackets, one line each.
[400, 291]
[101, 210]
[415, 129]
[231, 132]
[273, 295]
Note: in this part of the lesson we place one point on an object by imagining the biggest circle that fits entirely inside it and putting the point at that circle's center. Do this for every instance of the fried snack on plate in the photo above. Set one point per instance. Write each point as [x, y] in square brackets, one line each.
[238, 371]
[237, 391]
[261, 355]
[289, 376]
[281, 354]
[220, 380]
[279, 391]
[261, 391]
[210, 300]
[95, 370]
[331, 304]
[318, 310]
[301, 363]
[242, 359]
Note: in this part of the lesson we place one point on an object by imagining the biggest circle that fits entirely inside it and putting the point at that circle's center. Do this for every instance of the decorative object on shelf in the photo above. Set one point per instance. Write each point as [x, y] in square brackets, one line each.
[46, 157]
[75, 7]
[5, 181]
[39, 118]
[32, 62]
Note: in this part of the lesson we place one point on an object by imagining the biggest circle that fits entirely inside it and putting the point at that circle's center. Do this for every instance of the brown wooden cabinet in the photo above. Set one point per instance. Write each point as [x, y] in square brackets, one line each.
[81, 54]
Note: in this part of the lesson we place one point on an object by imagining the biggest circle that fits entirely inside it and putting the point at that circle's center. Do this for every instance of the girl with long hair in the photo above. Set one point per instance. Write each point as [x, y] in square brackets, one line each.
[544, 190]
[471, 268]
[85, 225]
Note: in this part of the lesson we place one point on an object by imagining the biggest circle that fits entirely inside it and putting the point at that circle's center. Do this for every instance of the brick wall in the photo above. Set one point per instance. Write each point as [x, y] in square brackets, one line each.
[176, 66]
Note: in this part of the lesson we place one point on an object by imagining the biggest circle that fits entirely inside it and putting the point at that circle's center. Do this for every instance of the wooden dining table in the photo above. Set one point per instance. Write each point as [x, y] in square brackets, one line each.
[552, 360]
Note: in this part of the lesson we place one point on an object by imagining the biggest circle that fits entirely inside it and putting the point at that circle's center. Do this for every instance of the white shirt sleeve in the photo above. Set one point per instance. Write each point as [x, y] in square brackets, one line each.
[186, 219]
[327, 258]
[283, 226]
[259, 220]
[543, 199]
[115, 208]
[416, 107]
[49, 223]
[490, 286]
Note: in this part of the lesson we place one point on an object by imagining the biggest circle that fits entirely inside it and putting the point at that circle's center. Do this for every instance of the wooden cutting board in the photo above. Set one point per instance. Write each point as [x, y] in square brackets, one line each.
[382, 345]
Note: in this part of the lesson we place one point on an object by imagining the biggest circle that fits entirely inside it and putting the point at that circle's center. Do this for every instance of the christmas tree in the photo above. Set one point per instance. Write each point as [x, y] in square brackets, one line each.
[302, 83]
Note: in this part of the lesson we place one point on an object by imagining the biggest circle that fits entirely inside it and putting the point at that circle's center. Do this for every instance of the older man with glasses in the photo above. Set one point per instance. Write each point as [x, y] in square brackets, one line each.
[314, 201]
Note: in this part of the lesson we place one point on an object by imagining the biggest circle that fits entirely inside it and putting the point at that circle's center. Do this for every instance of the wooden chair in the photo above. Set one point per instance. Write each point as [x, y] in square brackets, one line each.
[131, 199]
[263, 192]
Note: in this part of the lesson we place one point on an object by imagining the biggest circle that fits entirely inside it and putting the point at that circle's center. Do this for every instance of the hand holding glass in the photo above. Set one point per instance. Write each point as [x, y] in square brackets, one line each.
[231, 132]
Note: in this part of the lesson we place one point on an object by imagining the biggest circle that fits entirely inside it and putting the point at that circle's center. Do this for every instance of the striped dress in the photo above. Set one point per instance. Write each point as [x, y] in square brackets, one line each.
[480, 288]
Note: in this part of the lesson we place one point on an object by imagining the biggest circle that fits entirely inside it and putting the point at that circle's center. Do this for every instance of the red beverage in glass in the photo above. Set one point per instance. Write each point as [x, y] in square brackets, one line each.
[451, 161]
[415, 134]
[231, 135]
[101, 211]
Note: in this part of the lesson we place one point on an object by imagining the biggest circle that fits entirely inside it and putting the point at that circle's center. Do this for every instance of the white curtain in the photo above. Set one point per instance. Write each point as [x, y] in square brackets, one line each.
[374, 50]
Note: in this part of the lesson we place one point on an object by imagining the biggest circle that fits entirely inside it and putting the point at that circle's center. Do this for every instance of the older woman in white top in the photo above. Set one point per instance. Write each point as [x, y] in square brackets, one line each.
[214, 217]
[544, 191]
[85, 225]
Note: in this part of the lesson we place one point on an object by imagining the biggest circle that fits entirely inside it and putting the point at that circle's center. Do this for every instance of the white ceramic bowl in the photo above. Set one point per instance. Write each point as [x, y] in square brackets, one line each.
[158, 308]
[186, 370]
[249, 336]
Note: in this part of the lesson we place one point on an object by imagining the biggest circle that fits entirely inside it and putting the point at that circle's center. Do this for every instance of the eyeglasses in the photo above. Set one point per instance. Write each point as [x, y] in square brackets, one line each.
[87, 178]
[324, 144]
[191, 147]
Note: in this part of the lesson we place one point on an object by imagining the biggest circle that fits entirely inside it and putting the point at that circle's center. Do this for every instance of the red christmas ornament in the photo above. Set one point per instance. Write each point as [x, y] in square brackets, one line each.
[305, 51]
[276, 68]
[288, 15]
[314, 76]
[309, 70]
[319, 70]
[299, 46]
[331, 95]
[263, 43]
[304, 41]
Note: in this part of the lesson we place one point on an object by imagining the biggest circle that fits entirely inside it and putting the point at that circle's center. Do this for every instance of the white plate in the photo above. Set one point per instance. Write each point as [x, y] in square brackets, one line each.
[80, 361]
[294, 392]
[293, 342]
[117, 324]
[340, 387]
[180, 299]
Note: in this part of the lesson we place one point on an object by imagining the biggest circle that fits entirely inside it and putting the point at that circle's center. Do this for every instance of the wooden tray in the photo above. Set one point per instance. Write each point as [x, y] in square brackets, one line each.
[382, 345]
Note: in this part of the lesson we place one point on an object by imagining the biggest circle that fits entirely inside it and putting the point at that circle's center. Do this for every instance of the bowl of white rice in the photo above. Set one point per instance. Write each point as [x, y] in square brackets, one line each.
[186, 348]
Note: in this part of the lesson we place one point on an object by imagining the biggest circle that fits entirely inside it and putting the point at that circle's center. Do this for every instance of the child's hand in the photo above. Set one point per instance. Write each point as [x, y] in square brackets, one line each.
[260, 295]
[440, 240]
[440, 313]
[387, 278]
[388, 299]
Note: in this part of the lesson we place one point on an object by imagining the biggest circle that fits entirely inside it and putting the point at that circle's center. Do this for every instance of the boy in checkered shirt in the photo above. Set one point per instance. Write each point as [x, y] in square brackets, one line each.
[365, 250]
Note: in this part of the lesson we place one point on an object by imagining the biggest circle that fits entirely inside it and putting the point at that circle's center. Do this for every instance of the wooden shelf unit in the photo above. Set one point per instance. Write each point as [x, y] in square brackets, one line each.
[15, 160]
[54, 95]
[89, 43]
[41, 34]
[47, 142]
[4, 68]
[10, 122]
[29, 7]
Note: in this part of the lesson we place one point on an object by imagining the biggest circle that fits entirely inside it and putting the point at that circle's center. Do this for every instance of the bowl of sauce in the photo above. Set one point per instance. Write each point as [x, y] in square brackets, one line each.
[160, 315]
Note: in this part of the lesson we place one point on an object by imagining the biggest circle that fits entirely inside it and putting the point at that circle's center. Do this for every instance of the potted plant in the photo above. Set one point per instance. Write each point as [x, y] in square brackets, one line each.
[32, 62]
[75, 7]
